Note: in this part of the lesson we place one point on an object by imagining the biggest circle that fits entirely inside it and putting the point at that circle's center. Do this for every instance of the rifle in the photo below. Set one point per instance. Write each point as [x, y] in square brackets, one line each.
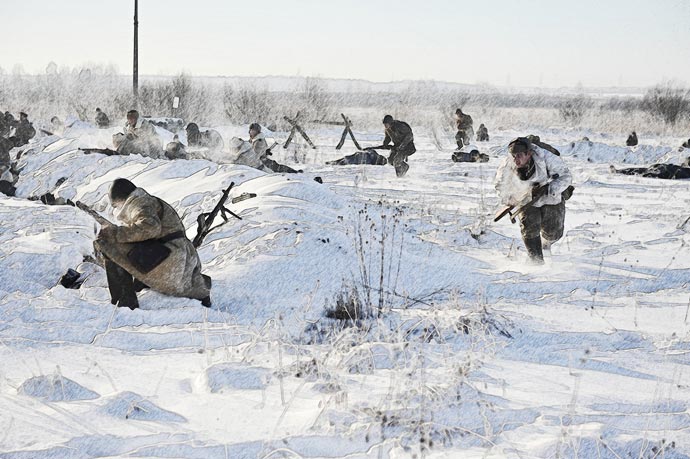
[514, 213]
[105, 151]
[99, 218]
[205, 220]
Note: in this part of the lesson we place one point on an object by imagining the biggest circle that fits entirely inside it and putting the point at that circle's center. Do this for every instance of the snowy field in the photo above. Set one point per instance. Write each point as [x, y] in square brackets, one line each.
[470, 353]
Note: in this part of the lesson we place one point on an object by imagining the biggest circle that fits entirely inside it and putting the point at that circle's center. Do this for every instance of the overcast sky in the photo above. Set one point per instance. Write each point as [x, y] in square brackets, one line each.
[546, 43]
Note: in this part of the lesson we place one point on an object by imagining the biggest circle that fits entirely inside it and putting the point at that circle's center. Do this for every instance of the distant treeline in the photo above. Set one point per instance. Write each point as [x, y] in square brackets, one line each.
[77, 92]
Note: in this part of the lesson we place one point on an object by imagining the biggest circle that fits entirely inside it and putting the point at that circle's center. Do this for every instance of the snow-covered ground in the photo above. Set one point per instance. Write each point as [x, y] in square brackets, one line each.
[473, 354]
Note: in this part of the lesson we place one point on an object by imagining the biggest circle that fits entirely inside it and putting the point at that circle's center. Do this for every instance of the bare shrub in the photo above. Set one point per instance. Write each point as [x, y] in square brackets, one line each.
[247, 104]
[573, 109]
[668, 102]
[316, 101]
[347, 306]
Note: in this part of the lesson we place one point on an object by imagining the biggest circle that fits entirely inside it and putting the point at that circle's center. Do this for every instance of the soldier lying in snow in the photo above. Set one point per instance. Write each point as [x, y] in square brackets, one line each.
[255, 152]
[369, 157]
[662, 171]
[150, 249]
[472, 157]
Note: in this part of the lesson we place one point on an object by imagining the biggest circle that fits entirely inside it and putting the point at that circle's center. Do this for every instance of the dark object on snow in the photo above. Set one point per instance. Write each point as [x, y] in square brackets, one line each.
[71, 279]
[277, 167]
[662, 171]
[169, 124]
[368, 156]
[482, 133]
[205, 220]
[102, 120]
[296, 128]
[534, 139]
[318, 180]
[472, 157]
[7, 188]
[632, 140]
[104, 151]
[24, 130]
[686, 144]
[274, 165]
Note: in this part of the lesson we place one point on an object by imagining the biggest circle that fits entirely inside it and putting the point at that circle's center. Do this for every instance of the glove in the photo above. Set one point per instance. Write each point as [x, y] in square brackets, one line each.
[107, 233]
[540, 190]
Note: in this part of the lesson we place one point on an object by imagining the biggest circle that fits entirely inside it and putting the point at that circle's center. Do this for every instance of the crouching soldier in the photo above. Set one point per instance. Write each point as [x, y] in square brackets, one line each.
[400, 133]
[529, 173]
[139, 138]
[207, 139]
[150, 249]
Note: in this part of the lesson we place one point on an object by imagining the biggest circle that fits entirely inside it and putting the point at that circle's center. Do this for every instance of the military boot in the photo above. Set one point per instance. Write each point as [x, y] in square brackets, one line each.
[401, 169]
[534, 251]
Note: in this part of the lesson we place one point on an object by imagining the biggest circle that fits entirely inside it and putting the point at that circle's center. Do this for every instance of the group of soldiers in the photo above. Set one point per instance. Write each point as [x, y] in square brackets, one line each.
[150, 250]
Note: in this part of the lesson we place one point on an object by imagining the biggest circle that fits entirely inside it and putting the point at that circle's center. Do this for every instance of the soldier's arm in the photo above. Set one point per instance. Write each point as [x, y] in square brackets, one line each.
[406, 139]
[556, 165]
[145, 224]
[386, 140]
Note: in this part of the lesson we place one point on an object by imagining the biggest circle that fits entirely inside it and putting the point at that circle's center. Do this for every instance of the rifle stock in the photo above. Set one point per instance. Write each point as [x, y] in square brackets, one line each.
[98, 217]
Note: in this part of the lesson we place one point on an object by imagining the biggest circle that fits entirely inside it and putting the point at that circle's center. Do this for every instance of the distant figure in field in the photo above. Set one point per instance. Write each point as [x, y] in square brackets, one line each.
[465, 130]
[208, 139]
[102, 120]
[632, 140]
[686, 144]
[538, 142]
[482, 133]
[24, 130]
[175, 149]
[400, 133]
[139, 138]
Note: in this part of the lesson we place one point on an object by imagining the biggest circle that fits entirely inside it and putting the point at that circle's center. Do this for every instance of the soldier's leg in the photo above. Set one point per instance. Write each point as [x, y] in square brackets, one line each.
[530, 225]
[552, 223]
[121, 285]
[398, 159]
[459, 137]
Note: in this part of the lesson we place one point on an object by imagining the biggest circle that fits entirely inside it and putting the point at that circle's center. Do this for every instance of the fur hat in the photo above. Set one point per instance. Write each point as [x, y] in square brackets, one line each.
[520, 145]
[121, 189]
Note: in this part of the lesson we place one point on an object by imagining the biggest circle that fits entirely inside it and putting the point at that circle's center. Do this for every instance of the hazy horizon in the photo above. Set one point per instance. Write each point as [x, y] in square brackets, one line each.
[536, 44]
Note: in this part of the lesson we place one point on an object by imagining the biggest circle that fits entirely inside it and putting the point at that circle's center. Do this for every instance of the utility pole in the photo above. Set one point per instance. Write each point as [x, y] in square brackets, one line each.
[135, 70]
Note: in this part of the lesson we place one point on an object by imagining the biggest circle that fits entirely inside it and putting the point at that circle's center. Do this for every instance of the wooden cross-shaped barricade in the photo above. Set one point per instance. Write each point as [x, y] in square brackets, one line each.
[298, 128]
[347, 130]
